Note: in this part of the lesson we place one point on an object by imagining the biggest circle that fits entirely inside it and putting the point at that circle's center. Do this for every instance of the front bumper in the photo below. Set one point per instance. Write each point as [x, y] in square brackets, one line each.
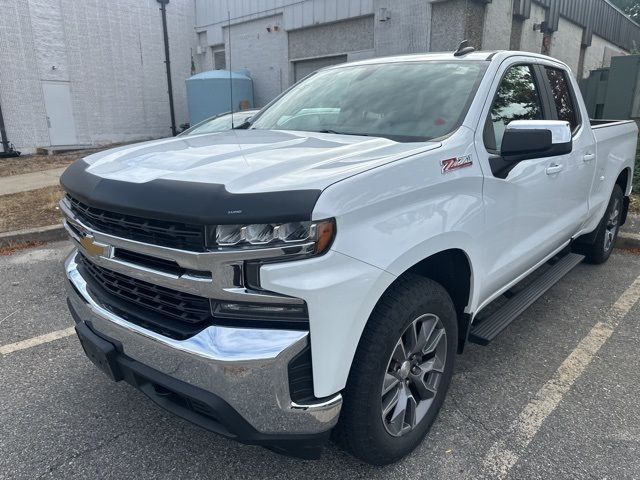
[242, 372]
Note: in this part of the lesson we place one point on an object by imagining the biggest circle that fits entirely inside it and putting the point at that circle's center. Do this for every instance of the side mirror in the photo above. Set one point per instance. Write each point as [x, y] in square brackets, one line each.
[526, 139]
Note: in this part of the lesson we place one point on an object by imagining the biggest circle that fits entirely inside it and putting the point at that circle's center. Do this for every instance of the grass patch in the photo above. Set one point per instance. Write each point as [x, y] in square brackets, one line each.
[634, 204]
[36, 208]
[16, 248]
[37, 163]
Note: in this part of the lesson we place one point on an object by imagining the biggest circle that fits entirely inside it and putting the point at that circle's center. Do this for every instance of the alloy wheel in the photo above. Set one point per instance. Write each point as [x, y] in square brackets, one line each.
[413, 374]
[612, 225]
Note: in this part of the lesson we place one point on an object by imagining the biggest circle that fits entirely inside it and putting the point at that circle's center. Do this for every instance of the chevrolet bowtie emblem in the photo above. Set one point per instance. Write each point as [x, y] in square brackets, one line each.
[93, 248]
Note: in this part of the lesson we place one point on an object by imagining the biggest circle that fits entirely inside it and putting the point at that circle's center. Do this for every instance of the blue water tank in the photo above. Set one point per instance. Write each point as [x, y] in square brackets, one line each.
[209, 93]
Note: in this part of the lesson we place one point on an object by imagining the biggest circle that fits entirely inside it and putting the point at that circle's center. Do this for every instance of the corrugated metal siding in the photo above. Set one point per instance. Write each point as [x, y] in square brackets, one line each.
[522, 8]
[296, 13]
[577, 11]
[596, 16]
[612, 25]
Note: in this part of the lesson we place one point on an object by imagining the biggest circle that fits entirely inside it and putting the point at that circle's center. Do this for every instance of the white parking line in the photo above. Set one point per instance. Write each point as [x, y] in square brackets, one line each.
[34, 341]
[505, 453]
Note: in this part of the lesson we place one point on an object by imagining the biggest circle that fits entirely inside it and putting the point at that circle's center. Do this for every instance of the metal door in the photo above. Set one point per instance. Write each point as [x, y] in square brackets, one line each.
[57, 101]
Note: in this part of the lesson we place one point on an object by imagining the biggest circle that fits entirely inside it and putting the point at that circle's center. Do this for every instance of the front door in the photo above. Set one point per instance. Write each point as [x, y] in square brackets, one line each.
[524, 206]
[57, 101]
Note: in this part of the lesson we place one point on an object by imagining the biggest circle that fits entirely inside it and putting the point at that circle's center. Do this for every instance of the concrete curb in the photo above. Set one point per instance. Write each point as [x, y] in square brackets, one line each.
[39, 234]
[628, 240]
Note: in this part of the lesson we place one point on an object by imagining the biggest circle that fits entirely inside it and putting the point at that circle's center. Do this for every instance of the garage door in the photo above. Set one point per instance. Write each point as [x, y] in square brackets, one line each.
[302, 68]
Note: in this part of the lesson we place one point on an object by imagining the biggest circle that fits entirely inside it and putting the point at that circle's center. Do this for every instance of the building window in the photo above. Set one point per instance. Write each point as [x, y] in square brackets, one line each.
[202, 39]
[219, 59]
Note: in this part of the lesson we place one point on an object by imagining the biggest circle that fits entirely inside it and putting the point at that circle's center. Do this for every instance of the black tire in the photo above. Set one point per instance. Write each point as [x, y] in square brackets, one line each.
[361, 429]
[600, 249]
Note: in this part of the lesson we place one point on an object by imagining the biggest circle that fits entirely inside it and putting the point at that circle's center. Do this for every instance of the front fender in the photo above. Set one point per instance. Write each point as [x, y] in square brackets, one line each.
[437, 244]
[340, 293]
[394, 216]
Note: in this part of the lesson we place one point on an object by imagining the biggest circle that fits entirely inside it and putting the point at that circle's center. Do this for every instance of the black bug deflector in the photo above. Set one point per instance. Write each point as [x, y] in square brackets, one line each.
[188, 202]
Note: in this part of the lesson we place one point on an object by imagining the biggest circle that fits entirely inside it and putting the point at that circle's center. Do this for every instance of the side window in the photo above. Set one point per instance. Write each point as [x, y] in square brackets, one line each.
[517, 98]
[561, 91]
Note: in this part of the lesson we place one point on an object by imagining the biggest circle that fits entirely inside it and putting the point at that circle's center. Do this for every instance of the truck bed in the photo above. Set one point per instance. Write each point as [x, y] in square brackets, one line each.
[601, 122]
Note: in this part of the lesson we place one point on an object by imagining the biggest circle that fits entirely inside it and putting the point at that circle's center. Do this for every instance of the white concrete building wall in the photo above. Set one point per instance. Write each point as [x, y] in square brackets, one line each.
[409, 26]
[531, 40]
[406, 31]
[599, 54]
[565, 41]
[266, 53]
[261, 52]
[20, 90]
[50, 43]
[565, 44]
[498, 19]
[111, 54]
[453, 21]
[204, 61]
[212, 15]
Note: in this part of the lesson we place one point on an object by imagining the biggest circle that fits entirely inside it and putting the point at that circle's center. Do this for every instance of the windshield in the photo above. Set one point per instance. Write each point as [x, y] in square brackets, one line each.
[219, 123]
[409, 101]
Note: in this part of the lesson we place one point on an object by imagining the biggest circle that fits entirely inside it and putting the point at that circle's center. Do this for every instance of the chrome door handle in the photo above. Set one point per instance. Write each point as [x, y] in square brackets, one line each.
[554, 169]
[588, 157]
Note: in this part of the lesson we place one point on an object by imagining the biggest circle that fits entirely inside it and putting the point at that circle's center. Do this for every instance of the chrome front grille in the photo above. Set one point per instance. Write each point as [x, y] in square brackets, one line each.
[176, 292]
[175, 314]
[178, 235]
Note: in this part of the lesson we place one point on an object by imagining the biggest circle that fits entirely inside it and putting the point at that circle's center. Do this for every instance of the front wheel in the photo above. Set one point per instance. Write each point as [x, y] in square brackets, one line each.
[607, 233]
[401, 372]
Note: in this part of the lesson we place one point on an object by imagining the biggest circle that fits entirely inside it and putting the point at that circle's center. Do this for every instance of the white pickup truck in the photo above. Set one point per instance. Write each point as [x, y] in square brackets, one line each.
[318, 268]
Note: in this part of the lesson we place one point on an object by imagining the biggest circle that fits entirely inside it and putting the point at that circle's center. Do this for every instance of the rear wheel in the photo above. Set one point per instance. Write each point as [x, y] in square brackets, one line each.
[401, 372]
[607, 233]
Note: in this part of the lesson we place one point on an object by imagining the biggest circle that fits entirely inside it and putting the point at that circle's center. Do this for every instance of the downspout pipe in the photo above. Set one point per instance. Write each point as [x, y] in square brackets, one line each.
[167, 62]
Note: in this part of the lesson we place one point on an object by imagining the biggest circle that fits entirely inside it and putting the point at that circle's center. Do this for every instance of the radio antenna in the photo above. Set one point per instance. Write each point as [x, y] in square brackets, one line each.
[230, 71]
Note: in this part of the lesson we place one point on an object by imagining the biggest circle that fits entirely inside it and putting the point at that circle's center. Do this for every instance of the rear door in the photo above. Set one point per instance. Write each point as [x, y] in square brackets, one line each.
[526, 218]
[579, 165]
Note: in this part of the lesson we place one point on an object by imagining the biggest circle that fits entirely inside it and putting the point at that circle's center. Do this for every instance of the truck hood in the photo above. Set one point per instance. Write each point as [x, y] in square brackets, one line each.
[250, 161]
[240, 176]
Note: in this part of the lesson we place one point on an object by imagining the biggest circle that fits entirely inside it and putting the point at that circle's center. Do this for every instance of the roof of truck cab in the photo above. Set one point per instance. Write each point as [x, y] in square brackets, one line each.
[497, 55]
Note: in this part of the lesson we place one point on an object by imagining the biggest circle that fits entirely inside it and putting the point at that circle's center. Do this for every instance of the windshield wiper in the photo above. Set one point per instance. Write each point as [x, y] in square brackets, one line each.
[328, 130]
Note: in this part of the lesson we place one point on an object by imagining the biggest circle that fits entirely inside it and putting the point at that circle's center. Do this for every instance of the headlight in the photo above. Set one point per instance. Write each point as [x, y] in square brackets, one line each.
[320, 234]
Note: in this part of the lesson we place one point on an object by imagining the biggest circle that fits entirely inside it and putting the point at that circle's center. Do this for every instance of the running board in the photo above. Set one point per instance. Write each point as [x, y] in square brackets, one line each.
[489, 328]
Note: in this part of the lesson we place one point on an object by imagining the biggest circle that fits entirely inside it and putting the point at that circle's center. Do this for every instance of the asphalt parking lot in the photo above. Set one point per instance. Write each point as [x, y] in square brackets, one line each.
[555, 396]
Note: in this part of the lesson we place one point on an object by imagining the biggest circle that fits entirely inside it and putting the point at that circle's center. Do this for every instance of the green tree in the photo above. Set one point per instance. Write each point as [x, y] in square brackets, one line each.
[630, 7]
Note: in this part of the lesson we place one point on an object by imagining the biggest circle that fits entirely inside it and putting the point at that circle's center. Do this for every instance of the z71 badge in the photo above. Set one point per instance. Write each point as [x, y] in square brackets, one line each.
[451, 164]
